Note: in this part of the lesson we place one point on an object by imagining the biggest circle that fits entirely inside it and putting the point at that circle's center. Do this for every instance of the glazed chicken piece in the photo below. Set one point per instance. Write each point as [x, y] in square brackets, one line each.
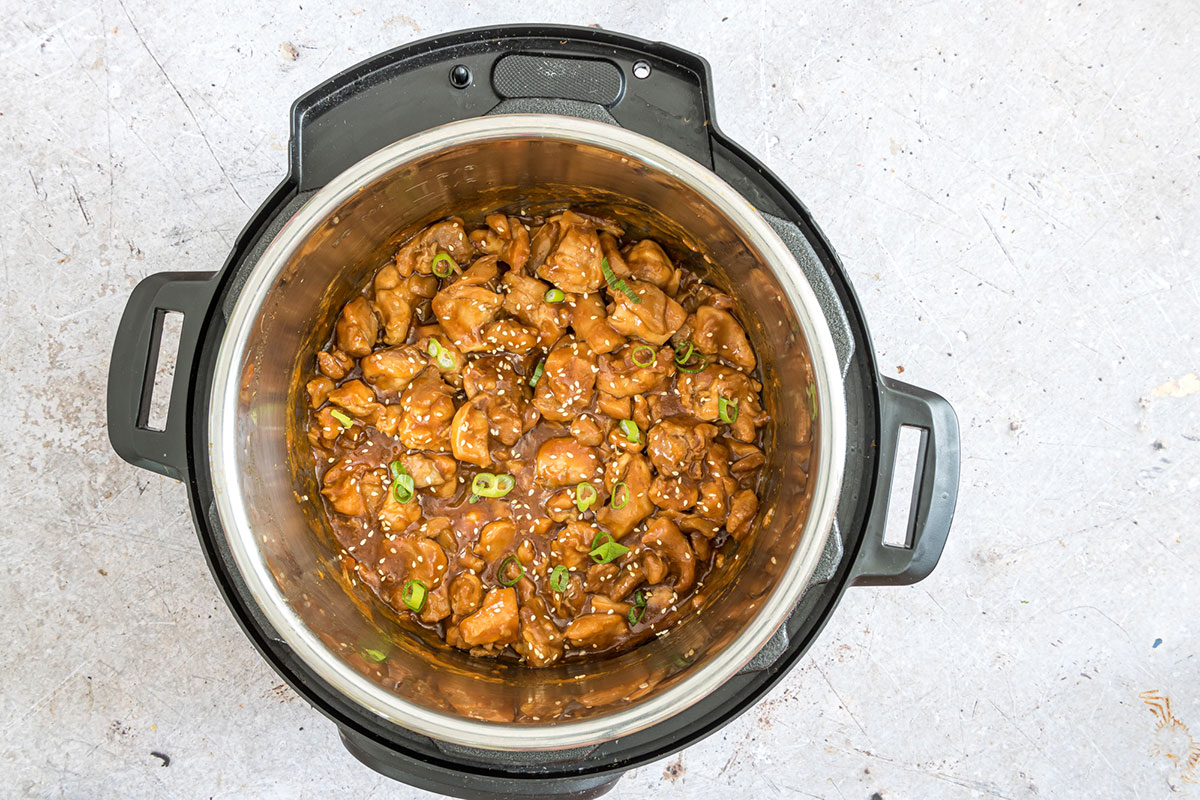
[392, 369]
[565, 462]
[664, 538]
[509, 335]
[567, 381]
[595, 631]
[447, 236]
[449, 360]
[541, 641]
[587, 430]
[503, 391]
[678, 493]
[701, 393]
[352, 487]
[574, 262]
[743, 505]
[396, 517]
[428, 408]
[525, 299]
[465, 307]
[572, 545]
[357, 398]
[715, 332]
[405, 558]
[647, 261]
[628, 481]
[504, 237]
[318, 390]
[621, 376]
[396, 298]
[654, 318]
[589, 318]
[678, 446]
[334, 363]
[496, 622]
[469, 437]
[495, 540]
[466, 594]
[357, 328]
[429, 469]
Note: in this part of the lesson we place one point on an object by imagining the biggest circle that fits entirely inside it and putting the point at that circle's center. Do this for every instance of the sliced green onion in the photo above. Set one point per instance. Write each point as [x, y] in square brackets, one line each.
[486, 484]
[635, 614]
[614, 282]
[727, 410]
[443, 357]
[440, 257]
[632, 434]
[812, 398]
[645, 360]
[639, 598]
[682, 355]
[474, 498]
[616, 490]
[341, 417]
[555, 296]
[537, 373]
[585, 495]
[700, 364]
[374, 655]
[504, 565]
[403, 488]
[559, 577]
[605, 550]
[415, 592]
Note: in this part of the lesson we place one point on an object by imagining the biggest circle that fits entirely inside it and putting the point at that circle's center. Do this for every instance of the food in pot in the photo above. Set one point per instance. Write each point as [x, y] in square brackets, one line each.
[534, 438]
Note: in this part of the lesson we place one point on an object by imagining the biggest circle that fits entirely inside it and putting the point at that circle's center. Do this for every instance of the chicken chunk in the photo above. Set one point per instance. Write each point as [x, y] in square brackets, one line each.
[653, 318]
[392, 369]
[541, 641]
[504, 237]
[621, 376]
[568, 378]
[574, 263]
[464, 309]
[396, 299]
[334, 363]
[504, 396]
[743, 505]
[678, 493]
[589, 318]
[357, 328]
[429, 469]
[428, 405]
[318, 390]
[664, 537]
[466, 594]
[700, 394]
[648, 262]
[525, 299]
[565, 462]
[405, 558]
[345, 486]
[469, 438]
[678, 446]
[595, 631]
[447, 236]
[716, 333]
[496, 622]
[509, 335]
[628, 481]
[357, 398]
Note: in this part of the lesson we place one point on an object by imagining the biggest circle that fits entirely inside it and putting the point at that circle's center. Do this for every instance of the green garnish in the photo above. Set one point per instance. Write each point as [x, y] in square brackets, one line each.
[585, 495]
[415, 592]
[374, 655]
[646, 360]
[403, 488]
[486, 484]
[614, 282]
[504, 564]
[727, 410]
[812, 398]
[605, 550]
[560, 576]
[700, 364]
[440, 257]
[632, 434]
[537, 373]
[443, 357]
[615, 491]
[635, 614]
[341, 417]
[683, 354]
[555, 296]
[474, 498]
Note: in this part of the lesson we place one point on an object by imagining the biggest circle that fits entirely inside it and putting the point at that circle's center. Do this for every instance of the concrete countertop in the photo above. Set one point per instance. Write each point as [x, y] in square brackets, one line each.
[1012, 189]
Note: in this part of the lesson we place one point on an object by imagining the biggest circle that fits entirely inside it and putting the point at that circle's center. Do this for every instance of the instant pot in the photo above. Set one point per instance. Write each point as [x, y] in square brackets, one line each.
[525, 118]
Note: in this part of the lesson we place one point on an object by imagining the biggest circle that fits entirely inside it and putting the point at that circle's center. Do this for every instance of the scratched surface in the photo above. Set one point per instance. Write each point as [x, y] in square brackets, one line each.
[1012, 188]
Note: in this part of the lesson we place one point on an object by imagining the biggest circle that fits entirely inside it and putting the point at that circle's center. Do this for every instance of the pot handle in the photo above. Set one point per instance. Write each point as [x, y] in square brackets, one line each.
[934, 493]
[134, 363]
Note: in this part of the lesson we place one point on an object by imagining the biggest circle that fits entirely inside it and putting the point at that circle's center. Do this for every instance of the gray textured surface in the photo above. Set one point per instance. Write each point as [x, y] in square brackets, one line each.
[1012, 188]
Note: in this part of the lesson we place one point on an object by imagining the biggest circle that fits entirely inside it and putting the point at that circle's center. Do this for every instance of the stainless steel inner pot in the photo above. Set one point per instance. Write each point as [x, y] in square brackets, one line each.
[267, 499]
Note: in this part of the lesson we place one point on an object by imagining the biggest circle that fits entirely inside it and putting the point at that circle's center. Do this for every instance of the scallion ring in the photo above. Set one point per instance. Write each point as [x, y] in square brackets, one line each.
[585, 495]
[486, 484]
[374, 656]
[644, 356]
[443, 357]
[616, 491]
[555, 296]
[559, 578]
[403, 487]
[635, 614]
[614, 282]
[415, 592]
[630, 429]
[682, 355]
[698, 366]
[504, 565]
[537, 373]
[812, 398]
[727, 410]
[450, 268]
[342, 417]
[605, 550]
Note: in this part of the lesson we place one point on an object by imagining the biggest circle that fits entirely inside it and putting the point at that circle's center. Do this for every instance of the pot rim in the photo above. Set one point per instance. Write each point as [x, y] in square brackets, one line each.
[223, 446]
